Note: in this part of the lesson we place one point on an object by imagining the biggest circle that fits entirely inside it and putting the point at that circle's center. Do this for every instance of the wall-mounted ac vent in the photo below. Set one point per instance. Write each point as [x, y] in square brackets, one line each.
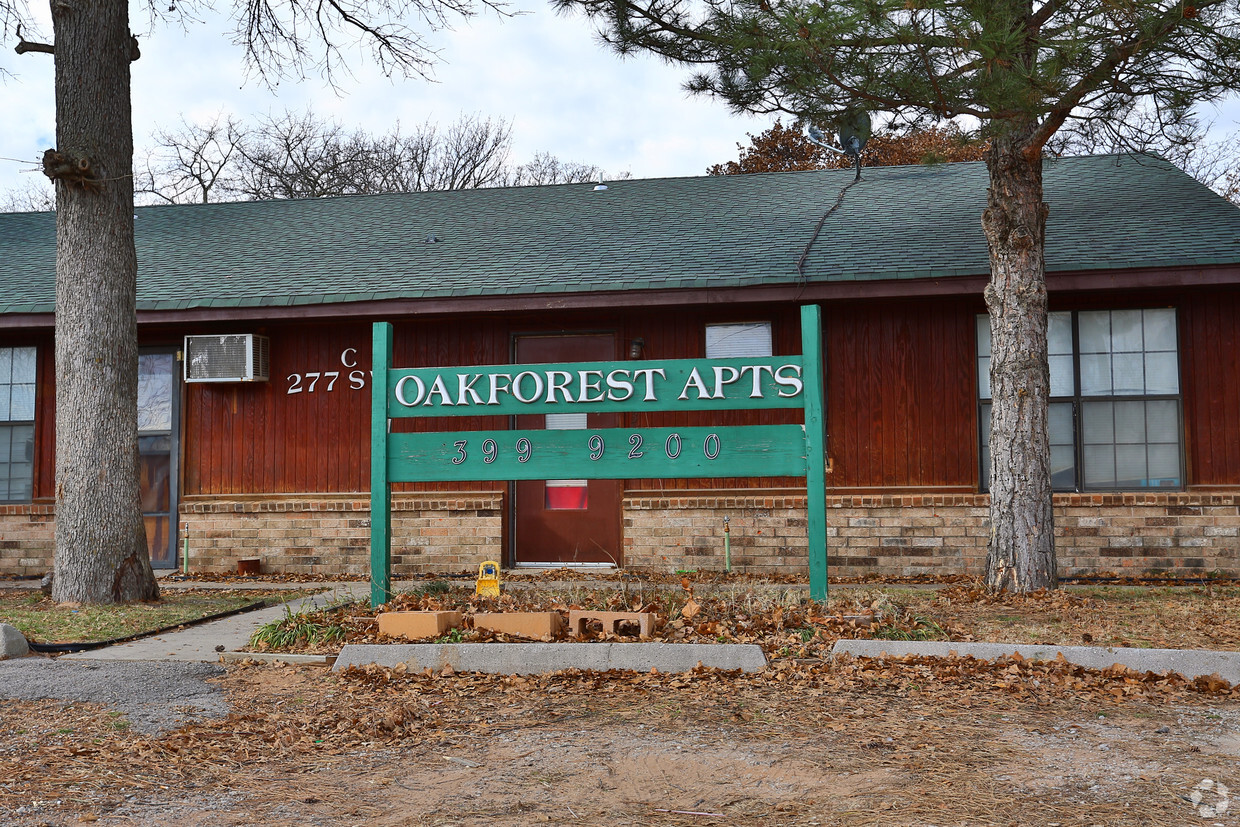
[241, 357]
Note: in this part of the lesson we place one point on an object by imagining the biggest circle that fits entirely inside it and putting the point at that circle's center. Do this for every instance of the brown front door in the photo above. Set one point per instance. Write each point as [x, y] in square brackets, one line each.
[566, 521]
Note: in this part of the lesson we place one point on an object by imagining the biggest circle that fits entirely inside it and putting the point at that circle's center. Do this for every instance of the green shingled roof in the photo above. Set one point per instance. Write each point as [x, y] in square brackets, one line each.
[1106, 212]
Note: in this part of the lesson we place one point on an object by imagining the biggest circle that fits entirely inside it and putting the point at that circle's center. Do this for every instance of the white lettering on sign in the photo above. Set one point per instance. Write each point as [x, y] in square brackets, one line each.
[555, 386]
[325, 380]
[792, 382]
[400, 391]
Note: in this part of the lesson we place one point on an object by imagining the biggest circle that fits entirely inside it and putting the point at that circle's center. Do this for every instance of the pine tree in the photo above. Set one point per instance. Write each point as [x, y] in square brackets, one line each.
[1023, 71]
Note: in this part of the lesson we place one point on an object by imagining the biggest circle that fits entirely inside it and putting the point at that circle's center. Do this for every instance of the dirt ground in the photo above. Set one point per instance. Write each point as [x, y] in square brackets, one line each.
[809, 741]
[917, 742]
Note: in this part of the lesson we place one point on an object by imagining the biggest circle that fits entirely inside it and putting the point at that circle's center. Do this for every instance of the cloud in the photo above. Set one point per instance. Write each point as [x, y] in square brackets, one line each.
[564, 94]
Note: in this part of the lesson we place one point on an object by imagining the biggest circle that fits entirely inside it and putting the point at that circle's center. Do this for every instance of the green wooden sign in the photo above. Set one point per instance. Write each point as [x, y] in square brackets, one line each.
[597, 387]
[606, 453]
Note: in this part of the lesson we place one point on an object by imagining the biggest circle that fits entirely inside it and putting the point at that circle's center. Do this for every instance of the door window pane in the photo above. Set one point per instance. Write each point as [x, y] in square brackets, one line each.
[155, 385]
[566, 495]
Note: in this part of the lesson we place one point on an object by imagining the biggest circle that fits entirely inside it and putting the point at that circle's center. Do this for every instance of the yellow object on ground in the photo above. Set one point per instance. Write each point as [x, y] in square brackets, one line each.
[488, 579]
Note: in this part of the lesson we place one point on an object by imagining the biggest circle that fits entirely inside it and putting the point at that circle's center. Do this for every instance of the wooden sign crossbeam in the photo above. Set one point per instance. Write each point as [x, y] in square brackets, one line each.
[600, 453]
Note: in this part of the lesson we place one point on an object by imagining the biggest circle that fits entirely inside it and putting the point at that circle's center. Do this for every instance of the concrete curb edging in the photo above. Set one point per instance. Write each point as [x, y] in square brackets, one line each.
[538, 658]
[1191, 663]
[275, 657]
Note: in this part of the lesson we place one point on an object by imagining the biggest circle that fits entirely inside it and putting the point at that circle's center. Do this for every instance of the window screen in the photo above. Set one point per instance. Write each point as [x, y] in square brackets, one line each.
[748, 339]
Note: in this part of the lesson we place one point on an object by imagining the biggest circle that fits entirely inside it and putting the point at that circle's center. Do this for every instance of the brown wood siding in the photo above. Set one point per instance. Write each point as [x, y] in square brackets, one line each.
[260, 439]
[911, 361]
[901, 394]
[1210, 386]
[247, 439]
[680, 333]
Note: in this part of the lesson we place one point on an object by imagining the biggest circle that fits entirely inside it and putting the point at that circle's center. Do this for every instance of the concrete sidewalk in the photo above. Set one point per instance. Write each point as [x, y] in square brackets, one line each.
[201, 642]
[206, 642]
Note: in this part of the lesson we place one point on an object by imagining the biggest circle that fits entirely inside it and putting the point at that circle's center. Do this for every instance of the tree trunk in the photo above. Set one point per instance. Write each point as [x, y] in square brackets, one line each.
[101, 548]
[1021, 552]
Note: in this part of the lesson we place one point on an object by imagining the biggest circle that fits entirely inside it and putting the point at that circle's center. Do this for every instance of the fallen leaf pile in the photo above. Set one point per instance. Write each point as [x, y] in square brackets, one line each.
[906, 713]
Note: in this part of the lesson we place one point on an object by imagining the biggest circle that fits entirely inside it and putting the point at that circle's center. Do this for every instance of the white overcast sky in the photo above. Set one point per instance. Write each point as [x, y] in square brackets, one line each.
[563, 93]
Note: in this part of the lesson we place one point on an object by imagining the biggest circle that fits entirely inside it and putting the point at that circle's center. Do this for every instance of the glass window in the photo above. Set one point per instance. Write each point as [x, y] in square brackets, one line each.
[1058, 348]
[155, 386]
[1063, 455]
[749, 339]
[1121, 430]
[17, 381]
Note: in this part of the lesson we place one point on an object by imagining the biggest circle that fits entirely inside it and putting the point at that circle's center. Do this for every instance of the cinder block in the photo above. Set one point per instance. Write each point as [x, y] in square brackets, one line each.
[536, 625]
[578, 618]
[416, 625]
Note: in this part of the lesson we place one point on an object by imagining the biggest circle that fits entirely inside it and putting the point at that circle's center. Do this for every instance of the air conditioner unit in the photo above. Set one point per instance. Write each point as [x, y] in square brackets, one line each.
[241, 357]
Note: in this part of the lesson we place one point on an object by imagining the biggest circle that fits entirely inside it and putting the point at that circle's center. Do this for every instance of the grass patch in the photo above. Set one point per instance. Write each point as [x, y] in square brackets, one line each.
[43, 621]
[916, 628]
[295, 631]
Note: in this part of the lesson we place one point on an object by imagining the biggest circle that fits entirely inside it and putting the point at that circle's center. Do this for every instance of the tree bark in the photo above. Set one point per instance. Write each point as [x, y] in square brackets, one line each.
[101, 548]
[1021, 552]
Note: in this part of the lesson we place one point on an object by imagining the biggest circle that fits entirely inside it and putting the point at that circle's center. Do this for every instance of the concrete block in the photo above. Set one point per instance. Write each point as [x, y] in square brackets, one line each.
[540, 658]
[578, 618]
[536, 625]
[417, 625]
[1189, 663]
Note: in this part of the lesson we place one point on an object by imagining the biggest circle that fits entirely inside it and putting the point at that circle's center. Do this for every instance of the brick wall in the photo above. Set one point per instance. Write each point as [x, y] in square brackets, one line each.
[27, 539]
[430, 533]
[766, 534]
[1181, 533]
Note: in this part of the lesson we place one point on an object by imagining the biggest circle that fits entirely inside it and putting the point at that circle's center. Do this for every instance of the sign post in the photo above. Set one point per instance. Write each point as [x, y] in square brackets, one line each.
[599, 453]
[380, 483]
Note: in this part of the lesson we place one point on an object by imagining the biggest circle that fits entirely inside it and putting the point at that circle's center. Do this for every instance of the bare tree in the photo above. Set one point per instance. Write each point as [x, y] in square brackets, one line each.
[192, 162]
[32, 196]
[299, 155]
[545, 168]
[1184, 143]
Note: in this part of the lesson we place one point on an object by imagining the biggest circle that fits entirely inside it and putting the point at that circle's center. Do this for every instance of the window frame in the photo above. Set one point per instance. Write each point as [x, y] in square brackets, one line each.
[1077, 400]
[7, 425]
